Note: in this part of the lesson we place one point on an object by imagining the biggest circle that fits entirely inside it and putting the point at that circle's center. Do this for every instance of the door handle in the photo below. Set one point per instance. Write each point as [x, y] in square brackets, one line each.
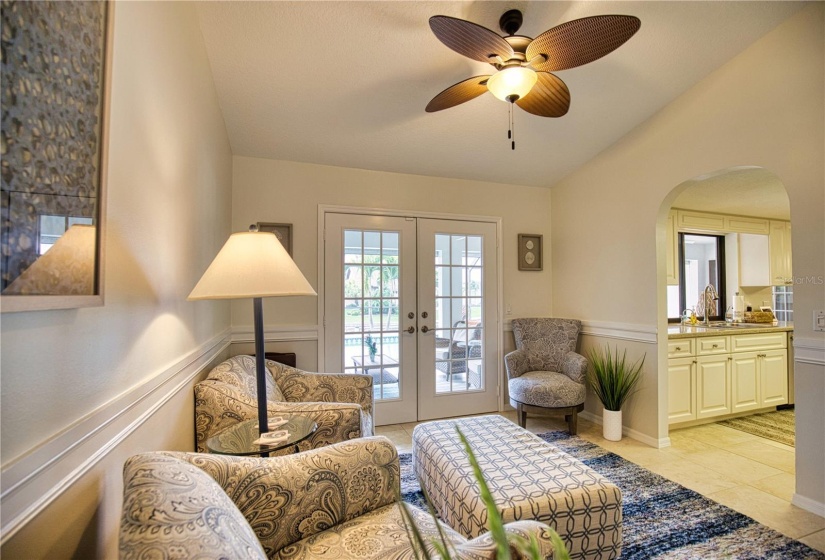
[410, 329]
[425, 328]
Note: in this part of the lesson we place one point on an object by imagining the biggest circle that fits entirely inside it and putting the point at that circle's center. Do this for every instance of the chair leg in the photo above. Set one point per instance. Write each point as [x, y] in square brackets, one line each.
[522, 415]
[573, 421]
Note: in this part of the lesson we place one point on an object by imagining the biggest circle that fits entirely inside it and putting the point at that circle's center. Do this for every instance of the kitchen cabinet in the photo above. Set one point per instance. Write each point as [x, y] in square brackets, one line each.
[773, 377]
[704, 222]
[672, 250]
[681, 373]
[754, 260]
[712, 376]
[744, 382]
[781, 273]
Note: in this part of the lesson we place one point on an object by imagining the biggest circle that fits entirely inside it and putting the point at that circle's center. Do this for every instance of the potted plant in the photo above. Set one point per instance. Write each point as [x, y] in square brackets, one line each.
[613, 380]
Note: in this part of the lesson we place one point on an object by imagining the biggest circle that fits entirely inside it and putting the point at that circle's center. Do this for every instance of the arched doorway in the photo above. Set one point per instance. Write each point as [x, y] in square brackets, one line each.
[725, 241]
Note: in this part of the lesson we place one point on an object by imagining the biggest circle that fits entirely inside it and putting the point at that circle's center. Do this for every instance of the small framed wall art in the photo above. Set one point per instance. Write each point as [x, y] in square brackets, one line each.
[530, 254]
[282, 231]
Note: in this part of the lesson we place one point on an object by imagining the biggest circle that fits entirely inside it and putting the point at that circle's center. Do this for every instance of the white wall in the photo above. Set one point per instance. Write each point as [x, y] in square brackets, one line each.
[76, 383]
[766, 107]
[280, 191]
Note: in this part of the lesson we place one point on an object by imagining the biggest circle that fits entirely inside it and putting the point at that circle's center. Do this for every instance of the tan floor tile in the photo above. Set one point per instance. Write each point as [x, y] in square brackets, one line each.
[719, 436]
[770, 510]
[730, 464]
[815, 540]
[760, 450]
[780, 485]
[695, 477]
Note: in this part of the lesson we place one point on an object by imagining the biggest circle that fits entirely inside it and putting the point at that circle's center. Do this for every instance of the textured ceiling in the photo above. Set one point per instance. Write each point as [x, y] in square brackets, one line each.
[745, 191]
[346, 83]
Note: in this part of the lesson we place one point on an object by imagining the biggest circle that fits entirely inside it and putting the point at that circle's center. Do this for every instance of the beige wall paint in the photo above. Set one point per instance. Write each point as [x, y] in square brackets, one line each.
[280, 191]
[764, 108]
[170, 174]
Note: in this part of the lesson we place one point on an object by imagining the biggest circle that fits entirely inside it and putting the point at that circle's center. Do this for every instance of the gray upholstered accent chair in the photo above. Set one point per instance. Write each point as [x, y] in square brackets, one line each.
[341, 404]
[545, 372]
[335, 502]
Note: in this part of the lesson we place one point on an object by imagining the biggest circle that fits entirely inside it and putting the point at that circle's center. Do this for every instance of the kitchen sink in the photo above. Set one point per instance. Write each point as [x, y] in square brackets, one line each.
[723, 325]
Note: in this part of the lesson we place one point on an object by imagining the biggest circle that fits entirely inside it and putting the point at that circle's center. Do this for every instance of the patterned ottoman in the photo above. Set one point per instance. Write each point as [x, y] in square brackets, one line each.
[528, 477]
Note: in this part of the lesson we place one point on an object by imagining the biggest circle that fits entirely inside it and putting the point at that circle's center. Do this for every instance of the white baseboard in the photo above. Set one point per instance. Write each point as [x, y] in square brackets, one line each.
[30, 482]
[809, 505]
[629, 432]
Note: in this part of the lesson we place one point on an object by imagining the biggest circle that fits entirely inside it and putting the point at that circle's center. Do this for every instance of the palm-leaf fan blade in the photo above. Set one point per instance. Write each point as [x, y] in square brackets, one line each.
[458, 93]
[469, 39]
[581, 41]
[548, 98]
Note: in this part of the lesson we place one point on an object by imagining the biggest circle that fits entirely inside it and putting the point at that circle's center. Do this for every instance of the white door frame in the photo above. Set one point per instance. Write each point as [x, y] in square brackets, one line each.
[323, 209]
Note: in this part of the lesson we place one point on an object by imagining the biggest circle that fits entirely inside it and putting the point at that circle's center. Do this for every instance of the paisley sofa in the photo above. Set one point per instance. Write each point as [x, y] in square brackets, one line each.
[335, 502]
[341, 404]
[545, 372]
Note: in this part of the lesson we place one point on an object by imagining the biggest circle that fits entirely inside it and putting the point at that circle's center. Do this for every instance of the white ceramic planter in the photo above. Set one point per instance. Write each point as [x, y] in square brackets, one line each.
[612, 425]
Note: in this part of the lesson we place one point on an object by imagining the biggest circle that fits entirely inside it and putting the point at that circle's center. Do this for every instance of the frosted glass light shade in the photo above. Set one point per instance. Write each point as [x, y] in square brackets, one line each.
[251, 265]
[514, 80]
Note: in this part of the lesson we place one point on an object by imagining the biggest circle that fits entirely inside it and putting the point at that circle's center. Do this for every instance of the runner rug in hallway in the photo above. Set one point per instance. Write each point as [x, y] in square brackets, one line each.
[662, 519]
[777, 425]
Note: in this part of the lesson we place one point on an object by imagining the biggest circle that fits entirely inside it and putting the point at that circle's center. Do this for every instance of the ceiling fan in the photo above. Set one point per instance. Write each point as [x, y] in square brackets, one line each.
[524, 65]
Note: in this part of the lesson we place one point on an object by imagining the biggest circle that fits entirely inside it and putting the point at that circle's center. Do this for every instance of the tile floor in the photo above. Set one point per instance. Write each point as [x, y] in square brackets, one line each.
[749, 474]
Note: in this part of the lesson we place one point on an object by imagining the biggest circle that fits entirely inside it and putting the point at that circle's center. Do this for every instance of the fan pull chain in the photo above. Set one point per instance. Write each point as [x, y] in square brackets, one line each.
[511, 133]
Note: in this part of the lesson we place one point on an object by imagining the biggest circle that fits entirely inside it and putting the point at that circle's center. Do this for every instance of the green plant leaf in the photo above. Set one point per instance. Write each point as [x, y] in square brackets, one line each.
[496, 526]
[613, 380]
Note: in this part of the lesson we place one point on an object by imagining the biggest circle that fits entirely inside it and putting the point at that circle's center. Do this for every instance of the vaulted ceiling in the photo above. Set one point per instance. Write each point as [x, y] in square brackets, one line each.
[346, 83]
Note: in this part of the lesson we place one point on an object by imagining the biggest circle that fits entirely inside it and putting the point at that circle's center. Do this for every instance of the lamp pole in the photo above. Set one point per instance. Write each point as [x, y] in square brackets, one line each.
[260, 367]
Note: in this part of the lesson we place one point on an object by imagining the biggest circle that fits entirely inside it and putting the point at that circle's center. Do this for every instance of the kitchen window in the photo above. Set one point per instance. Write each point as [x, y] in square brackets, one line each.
[701, 263]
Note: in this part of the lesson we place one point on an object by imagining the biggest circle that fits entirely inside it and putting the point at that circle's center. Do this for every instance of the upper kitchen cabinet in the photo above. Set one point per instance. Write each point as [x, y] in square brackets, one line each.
[781, 273]
[765, 260]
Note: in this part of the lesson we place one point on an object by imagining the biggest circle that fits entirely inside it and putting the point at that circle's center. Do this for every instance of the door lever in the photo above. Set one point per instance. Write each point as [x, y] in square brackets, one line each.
[410, 329]
[425, 328]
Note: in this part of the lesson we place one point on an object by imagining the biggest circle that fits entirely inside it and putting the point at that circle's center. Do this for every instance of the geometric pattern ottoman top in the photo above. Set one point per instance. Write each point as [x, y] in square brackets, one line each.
[528, 478]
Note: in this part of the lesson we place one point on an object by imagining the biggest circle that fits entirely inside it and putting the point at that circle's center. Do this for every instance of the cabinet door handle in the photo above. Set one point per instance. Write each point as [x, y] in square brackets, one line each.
[678, 348]
[716, 346]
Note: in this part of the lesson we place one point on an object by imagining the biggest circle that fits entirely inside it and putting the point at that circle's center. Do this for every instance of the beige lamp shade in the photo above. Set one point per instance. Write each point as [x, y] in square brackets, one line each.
[252, 265]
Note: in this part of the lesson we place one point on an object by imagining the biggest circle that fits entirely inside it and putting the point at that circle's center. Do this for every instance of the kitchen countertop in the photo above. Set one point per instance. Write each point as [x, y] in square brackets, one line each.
[686, 331]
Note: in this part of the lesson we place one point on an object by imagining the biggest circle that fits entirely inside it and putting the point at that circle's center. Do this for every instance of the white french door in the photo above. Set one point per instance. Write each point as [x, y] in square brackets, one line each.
[457, 304]
[413, 303]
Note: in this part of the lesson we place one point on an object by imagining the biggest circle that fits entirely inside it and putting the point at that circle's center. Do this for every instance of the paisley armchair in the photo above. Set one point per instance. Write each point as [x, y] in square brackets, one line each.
[335, 502]
[341, 404]
[545, 372]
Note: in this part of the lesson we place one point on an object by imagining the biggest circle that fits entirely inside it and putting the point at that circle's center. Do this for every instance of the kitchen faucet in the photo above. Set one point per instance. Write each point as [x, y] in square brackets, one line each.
[709, 296]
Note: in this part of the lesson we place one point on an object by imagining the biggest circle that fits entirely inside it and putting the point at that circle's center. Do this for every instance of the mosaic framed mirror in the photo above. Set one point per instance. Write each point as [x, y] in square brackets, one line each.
[56, 75]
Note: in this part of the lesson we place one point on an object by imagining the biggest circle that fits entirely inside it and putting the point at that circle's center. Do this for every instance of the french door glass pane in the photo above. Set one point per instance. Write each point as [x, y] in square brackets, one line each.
[458, 313]
[371, 304]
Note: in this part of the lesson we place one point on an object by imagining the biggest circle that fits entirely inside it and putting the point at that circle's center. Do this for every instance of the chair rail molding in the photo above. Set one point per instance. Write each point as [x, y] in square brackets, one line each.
[30, 482]
[276, 333]
[809, 350]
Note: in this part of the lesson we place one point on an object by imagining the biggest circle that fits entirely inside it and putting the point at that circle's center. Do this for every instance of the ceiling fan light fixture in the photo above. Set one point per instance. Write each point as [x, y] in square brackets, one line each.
[512, 83]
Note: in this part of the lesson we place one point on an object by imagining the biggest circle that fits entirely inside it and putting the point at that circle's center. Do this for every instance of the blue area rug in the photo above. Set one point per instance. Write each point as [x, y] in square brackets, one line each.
[662, 519]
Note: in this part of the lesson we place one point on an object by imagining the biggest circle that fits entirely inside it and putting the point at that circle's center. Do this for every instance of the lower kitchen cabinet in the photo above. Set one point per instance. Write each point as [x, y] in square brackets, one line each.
[773, 374]
[708, 377]
[745, 382]
[681, 373]
[712, 386]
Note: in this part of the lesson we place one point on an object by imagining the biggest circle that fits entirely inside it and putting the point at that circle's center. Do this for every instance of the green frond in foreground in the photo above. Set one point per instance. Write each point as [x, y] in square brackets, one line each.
[612, 378]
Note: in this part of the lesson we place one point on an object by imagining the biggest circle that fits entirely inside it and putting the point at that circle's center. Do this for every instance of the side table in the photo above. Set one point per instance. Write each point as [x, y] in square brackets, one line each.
[237, 439]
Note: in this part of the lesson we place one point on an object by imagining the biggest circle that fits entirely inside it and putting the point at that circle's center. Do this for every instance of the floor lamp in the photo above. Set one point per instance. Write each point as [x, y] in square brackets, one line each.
[253, 265]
